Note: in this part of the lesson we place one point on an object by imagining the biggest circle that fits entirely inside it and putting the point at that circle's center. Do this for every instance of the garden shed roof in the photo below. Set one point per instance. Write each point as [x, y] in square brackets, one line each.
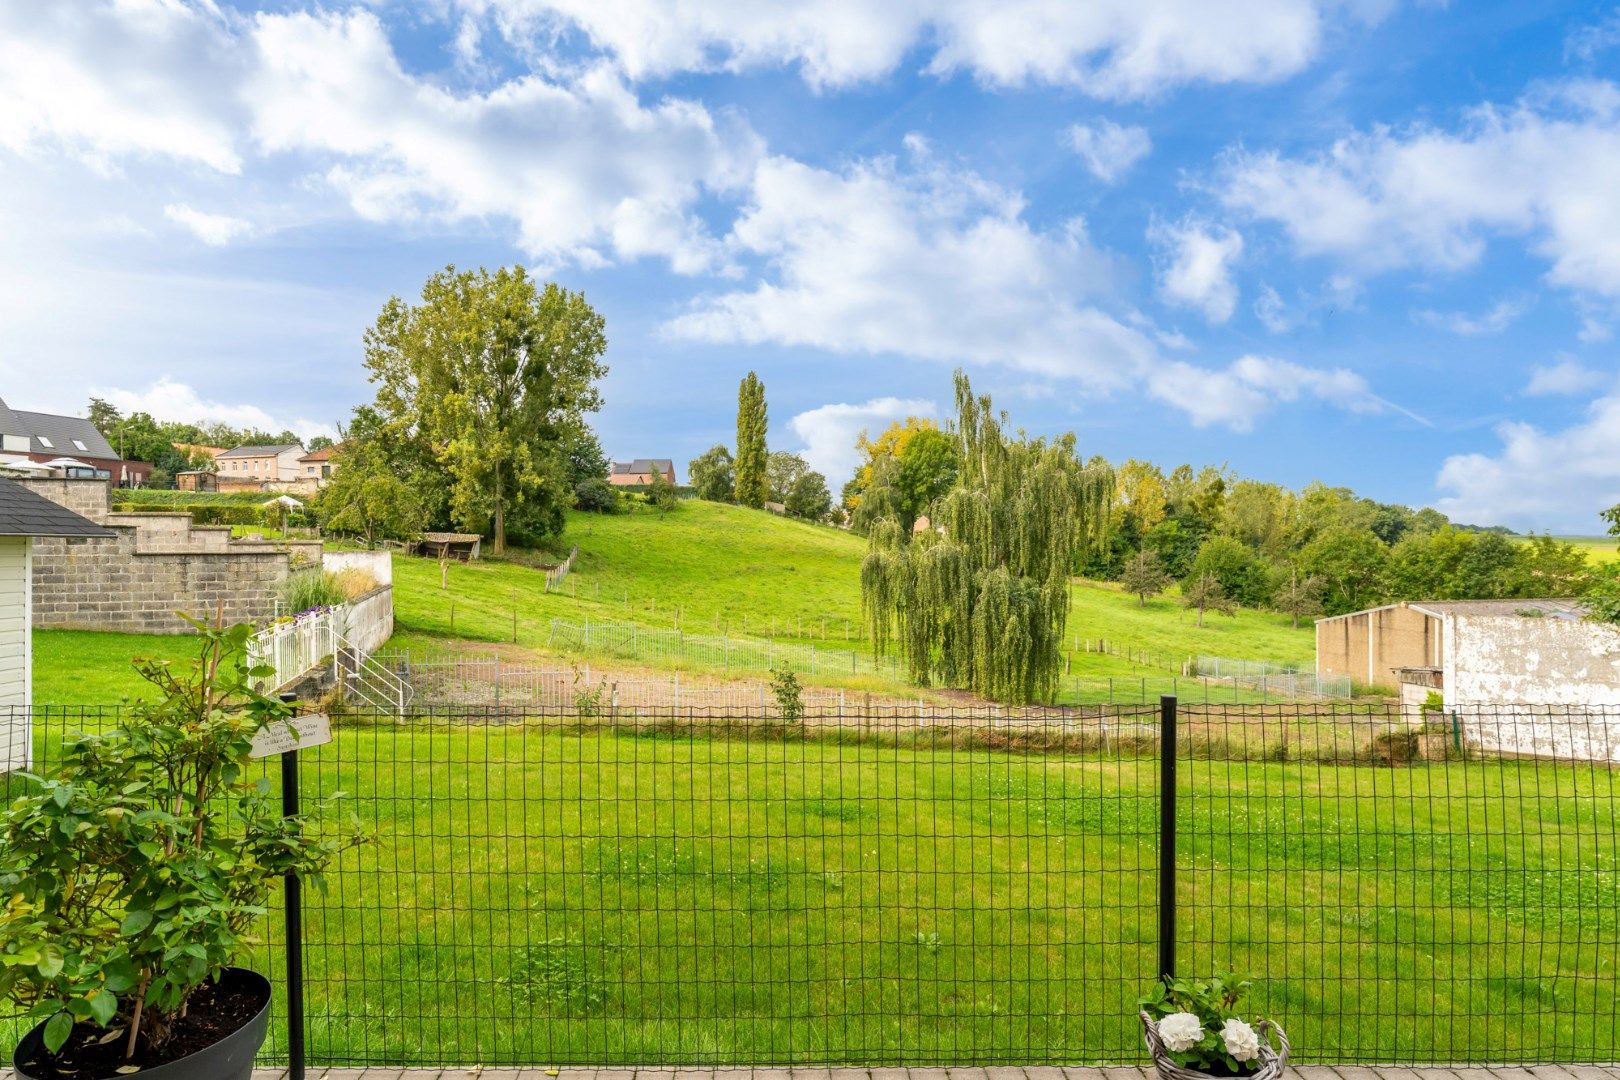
[26, 513]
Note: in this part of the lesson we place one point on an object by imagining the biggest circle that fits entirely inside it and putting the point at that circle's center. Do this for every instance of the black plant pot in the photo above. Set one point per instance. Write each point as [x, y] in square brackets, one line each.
[229, 1059]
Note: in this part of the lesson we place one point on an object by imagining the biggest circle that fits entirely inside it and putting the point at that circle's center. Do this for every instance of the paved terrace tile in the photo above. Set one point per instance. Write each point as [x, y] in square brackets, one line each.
[1112, 1072]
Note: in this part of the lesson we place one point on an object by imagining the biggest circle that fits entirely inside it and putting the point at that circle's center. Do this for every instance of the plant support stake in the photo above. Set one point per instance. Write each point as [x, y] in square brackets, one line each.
[1167, 837]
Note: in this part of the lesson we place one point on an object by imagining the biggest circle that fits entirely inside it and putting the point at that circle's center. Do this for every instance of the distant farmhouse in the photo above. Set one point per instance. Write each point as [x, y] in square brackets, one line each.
[1520, 675]
[47, 445]
[260, 463]
[640, 471]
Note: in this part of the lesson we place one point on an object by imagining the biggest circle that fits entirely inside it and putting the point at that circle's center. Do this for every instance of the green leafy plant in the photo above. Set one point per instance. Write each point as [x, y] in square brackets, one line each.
[1200, 1026]
[590, 700]
[134, 873]
[785, 688]
[553, 974]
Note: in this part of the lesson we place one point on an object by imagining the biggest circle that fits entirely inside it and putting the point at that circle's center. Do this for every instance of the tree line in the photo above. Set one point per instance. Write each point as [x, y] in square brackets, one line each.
[139, 437]
[1227, 540]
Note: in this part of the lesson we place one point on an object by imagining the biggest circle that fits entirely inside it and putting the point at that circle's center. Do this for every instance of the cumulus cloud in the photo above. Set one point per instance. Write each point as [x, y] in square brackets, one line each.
[583, 169]
[938, 264]
[215, 230]
[104, 80]
[1568, 376]
[1501, 315]
[1432, 197]
[167, 400]
[1107, 48]
[1236, 395]
[1540, 479]
[1197, 269]
[1108, 149]
[830, 432]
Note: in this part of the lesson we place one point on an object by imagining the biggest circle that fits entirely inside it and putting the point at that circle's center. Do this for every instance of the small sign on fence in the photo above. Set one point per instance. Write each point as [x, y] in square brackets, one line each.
[298, 733]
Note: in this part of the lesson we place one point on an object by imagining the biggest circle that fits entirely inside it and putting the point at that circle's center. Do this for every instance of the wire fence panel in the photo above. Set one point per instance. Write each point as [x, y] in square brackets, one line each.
[633, 641]
[724, 888]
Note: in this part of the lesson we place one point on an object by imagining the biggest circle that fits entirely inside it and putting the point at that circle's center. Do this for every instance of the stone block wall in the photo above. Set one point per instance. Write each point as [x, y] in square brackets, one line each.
[154, 565]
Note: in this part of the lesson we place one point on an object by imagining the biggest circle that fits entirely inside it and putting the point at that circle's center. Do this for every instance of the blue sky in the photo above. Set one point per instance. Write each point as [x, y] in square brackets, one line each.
[1362, 241]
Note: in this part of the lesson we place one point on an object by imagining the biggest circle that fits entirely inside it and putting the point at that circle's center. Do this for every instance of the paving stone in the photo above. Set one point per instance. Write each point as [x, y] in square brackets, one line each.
[1083, 1072]
[892, 1073]
[967, 1074]
[1043, 1072]
[1354, 1072]
[1315, 1072]
[1396, 1072]
[1551, 1072]
[1124, 1072]
[1435, 1072]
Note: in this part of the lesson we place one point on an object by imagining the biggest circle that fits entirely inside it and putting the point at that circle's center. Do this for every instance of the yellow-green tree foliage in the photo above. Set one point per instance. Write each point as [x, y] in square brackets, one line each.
[983, 602]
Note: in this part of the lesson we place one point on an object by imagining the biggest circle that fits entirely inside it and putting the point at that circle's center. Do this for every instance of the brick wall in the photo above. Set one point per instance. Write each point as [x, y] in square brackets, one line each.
[153, 566]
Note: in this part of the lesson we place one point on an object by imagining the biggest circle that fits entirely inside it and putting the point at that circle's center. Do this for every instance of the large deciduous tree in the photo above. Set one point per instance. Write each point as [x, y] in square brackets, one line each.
[495, 373]
[752, 483]
[983, 602]
[713, 476]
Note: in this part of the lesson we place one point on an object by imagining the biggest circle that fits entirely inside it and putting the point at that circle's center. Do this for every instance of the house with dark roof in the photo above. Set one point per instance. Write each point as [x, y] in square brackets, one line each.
[67, 446]
[278, 461]
[24, 515]
[640, 471]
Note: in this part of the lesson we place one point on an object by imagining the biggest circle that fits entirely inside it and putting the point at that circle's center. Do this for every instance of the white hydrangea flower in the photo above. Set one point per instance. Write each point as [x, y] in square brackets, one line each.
[1180, 1031]
[1241, 1041]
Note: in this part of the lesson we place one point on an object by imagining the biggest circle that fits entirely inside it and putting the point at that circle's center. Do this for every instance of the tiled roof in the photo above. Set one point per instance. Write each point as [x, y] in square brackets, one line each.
[26, 513]
[52, 434]
[323, 454]
[260, 451]
[644, 465]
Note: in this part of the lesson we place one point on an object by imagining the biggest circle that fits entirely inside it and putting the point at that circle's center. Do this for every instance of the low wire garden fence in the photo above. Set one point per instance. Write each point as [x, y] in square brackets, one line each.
[725, 888]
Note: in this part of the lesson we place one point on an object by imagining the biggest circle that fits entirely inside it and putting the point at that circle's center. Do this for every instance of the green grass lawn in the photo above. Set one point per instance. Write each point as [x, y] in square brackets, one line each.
[716, 570]
[89, 667]
[548, 897]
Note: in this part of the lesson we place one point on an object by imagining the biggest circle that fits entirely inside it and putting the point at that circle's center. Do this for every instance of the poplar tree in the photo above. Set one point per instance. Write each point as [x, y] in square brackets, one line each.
[751, 454]
[981, 601]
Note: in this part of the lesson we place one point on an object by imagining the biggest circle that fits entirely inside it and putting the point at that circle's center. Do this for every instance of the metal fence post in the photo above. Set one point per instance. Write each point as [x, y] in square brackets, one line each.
[1167, 836]
[292, 902]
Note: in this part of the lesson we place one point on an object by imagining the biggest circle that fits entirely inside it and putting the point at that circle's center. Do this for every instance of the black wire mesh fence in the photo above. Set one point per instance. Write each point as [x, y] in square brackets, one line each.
[980, 889]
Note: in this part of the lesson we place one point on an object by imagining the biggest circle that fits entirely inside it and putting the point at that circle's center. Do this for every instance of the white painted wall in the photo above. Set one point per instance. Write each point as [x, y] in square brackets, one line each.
[1545, 686]
[16, 650]
[368, 621]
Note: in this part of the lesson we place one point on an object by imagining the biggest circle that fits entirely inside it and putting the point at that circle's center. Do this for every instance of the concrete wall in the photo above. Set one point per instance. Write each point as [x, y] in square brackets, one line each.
[1369, 646]
[16, 688]
[1545, 686]
[154, 565]
[368, 621]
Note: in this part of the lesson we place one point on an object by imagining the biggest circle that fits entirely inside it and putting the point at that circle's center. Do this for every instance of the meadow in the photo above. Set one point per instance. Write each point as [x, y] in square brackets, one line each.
[717, 571]
[537, 895]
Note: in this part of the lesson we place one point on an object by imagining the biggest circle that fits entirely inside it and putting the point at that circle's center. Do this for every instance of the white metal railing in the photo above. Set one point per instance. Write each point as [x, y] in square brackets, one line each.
[311, 640]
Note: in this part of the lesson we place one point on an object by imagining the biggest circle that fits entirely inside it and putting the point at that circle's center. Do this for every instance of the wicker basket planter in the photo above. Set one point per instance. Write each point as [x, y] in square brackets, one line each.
[1271, 1064]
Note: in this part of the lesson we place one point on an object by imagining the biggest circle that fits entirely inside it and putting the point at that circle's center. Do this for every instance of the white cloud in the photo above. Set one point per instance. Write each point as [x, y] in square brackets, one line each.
[1540, 479]
[215, 230]
[1501, 315]
[1107, 48]
[1568, 376]
[1238, 394]
[939, 265]
[583, 169]
[1198, 271]
[167, 400]
[102, 80]
[1541, 169]
[1586, 42]
[830, 432]
[1108, 149]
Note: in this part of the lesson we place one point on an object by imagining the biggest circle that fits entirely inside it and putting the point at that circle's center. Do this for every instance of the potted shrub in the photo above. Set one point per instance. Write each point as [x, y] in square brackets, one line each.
[1195, 1029]
[131, 878]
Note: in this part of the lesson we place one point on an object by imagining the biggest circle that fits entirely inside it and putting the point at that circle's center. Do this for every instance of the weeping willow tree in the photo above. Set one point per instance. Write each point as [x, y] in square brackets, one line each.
[980, 601]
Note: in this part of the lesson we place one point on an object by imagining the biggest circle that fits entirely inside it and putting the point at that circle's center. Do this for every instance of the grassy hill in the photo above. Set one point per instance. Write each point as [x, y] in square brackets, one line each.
[717, 570]
[711, 570]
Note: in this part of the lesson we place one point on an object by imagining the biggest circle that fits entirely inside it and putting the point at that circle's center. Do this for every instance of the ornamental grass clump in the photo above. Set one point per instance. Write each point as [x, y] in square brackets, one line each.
[1195, 1028]
[133, 874]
